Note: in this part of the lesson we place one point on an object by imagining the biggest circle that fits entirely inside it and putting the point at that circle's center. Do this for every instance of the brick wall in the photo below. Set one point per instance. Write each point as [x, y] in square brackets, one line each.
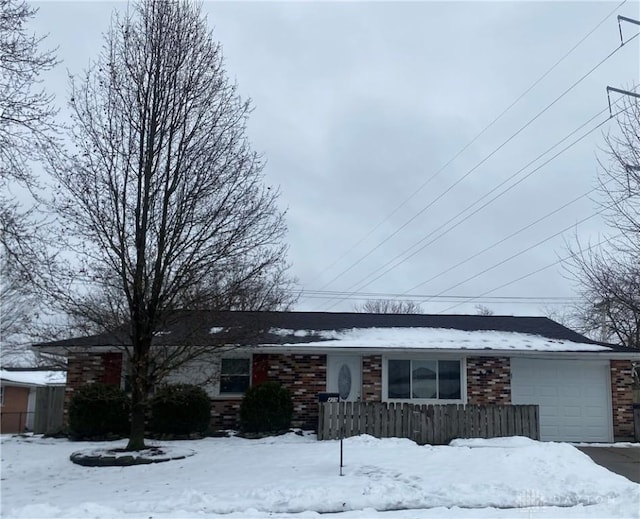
[225, 414]
[622, 399]
[372, 378]
[82, 368]
[489, 380]
[88, 368]
[304, 375]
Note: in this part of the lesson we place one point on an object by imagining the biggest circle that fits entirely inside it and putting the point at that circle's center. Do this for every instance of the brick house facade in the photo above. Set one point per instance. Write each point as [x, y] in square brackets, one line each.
[488, 381]
[583, 388]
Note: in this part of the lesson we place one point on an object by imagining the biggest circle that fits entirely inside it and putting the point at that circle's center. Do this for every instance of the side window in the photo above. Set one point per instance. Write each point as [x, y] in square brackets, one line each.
[235, 375]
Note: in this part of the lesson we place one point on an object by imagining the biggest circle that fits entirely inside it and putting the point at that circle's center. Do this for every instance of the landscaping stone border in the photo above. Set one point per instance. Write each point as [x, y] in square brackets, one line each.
[119, 457]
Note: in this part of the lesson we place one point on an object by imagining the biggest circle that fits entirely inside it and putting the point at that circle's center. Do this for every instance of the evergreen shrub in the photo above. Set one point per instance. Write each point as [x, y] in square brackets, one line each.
[266, 407]
[99, 411]
[180, 409]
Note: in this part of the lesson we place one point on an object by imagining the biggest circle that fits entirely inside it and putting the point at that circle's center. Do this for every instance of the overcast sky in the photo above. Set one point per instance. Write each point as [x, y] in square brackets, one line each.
[358, 106]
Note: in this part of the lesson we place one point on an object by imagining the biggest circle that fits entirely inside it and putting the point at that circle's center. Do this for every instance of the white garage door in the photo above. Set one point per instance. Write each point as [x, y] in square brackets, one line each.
[574, 397]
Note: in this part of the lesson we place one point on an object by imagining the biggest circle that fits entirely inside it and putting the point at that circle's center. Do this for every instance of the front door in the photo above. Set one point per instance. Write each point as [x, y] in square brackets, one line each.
[344, 376]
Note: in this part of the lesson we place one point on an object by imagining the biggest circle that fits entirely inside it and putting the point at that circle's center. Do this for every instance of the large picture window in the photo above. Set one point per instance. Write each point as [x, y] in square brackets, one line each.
[235, 375]
[424, 379]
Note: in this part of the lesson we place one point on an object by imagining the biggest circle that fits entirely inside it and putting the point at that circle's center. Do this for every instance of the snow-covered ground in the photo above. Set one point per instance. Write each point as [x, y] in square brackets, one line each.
[297, 476]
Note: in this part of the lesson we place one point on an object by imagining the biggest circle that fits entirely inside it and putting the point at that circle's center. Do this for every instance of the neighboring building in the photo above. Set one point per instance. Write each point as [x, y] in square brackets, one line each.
[583, 388]
[18, 396]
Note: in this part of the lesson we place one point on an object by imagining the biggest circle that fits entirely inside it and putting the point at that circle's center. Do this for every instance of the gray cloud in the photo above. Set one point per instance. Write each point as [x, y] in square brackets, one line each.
[357, 104]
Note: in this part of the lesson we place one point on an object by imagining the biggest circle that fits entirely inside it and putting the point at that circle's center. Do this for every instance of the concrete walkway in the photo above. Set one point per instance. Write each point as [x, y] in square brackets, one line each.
[621, 460]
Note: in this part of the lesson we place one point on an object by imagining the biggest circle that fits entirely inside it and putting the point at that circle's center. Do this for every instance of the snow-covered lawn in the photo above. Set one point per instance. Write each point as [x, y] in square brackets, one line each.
[297, 476]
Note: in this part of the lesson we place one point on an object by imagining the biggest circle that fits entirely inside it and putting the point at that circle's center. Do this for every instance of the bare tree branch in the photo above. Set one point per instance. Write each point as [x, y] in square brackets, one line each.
[483, 310]
[26, 126]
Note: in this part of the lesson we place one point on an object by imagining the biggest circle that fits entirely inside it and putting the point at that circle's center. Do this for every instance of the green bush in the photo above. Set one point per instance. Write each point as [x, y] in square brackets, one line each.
[98, 411]
[266, 407]
[180, 409]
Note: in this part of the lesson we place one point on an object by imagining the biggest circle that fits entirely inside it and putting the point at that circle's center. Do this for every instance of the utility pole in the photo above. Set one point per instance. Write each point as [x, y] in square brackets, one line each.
[625, 19]
[622, 42]
[619, 91]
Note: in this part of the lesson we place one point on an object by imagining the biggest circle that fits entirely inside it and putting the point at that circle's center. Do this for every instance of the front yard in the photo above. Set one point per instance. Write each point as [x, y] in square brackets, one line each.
[297, 476]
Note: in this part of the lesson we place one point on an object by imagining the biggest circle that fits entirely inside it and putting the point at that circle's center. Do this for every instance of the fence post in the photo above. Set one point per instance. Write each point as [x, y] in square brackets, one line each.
[320, 421]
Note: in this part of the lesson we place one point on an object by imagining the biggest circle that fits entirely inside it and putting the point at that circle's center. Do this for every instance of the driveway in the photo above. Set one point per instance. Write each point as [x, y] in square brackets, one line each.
[621, 460]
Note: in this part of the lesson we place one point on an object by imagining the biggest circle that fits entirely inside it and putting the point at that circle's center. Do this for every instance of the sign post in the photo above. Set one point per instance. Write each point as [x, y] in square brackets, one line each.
[334, 398]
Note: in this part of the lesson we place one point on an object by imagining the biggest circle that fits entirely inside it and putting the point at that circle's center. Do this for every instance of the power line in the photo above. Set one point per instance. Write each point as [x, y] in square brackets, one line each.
[469, 144]
[460, 213]
[515, 233]
[520, 253]
[604, 209]
[360, 283]
[476, 299]
[499, 242]
[472, 170]
[537, 271]
[391, 295]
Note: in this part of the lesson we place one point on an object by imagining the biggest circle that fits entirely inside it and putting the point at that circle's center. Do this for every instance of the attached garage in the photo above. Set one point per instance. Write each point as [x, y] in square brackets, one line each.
[574, 397]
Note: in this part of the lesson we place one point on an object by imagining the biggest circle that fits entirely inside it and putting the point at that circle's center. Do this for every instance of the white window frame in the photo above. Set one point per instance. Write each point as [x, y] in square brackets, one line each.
[410, 400]
[222, 395]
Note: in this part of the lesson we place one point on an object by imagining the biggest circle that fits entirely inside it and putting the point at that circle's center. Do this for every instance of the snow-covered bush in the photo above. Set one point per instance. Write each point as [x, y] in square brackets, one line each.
[180, 409]
[266, 407]
[99, 411]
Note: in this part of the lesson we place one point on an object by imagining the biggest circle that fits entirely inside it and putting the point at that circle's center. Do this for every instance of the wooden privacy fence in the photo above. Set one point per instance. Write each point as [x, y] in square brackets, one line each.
[49, 409]
[426, 424]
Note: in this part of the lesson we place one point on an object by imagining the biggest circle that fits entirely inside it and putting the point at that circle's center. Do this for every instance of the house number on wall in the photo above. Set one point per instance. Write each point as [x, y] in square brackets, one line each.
[344, 381]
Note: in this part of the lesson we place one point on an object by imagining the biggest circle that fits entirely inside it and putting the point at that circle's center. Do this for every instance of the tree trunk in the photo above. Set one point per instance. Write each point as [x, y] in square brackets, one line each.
[139, 391]
[136, 436]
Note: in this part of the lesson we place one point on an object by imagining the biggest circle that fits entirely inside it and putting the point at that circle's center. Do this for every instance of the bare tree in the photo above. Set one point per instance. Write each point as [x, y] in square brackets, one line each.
[483, 310]
[16, 309]
[608, 275]
[26, 122]
[162, 202]
[388, 306]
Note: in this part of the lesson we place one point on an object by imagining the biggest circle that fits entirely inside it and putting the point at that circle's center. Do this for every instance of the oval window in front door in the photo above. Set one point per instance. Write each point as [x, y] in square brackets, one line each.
[344, 381]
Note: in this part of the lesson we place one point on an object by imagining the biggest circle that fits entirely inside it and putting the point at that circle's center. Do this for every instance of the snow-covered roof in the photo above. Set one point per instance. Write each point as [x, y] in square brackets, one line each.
[430, 338]
[326, 330]
[34, 378]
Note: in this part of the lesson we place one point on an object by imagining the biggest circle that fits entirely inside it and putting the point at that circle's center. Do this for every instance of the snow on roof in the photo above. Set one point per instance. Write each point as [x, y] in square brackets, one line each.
[433, 338]
[36, 378]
